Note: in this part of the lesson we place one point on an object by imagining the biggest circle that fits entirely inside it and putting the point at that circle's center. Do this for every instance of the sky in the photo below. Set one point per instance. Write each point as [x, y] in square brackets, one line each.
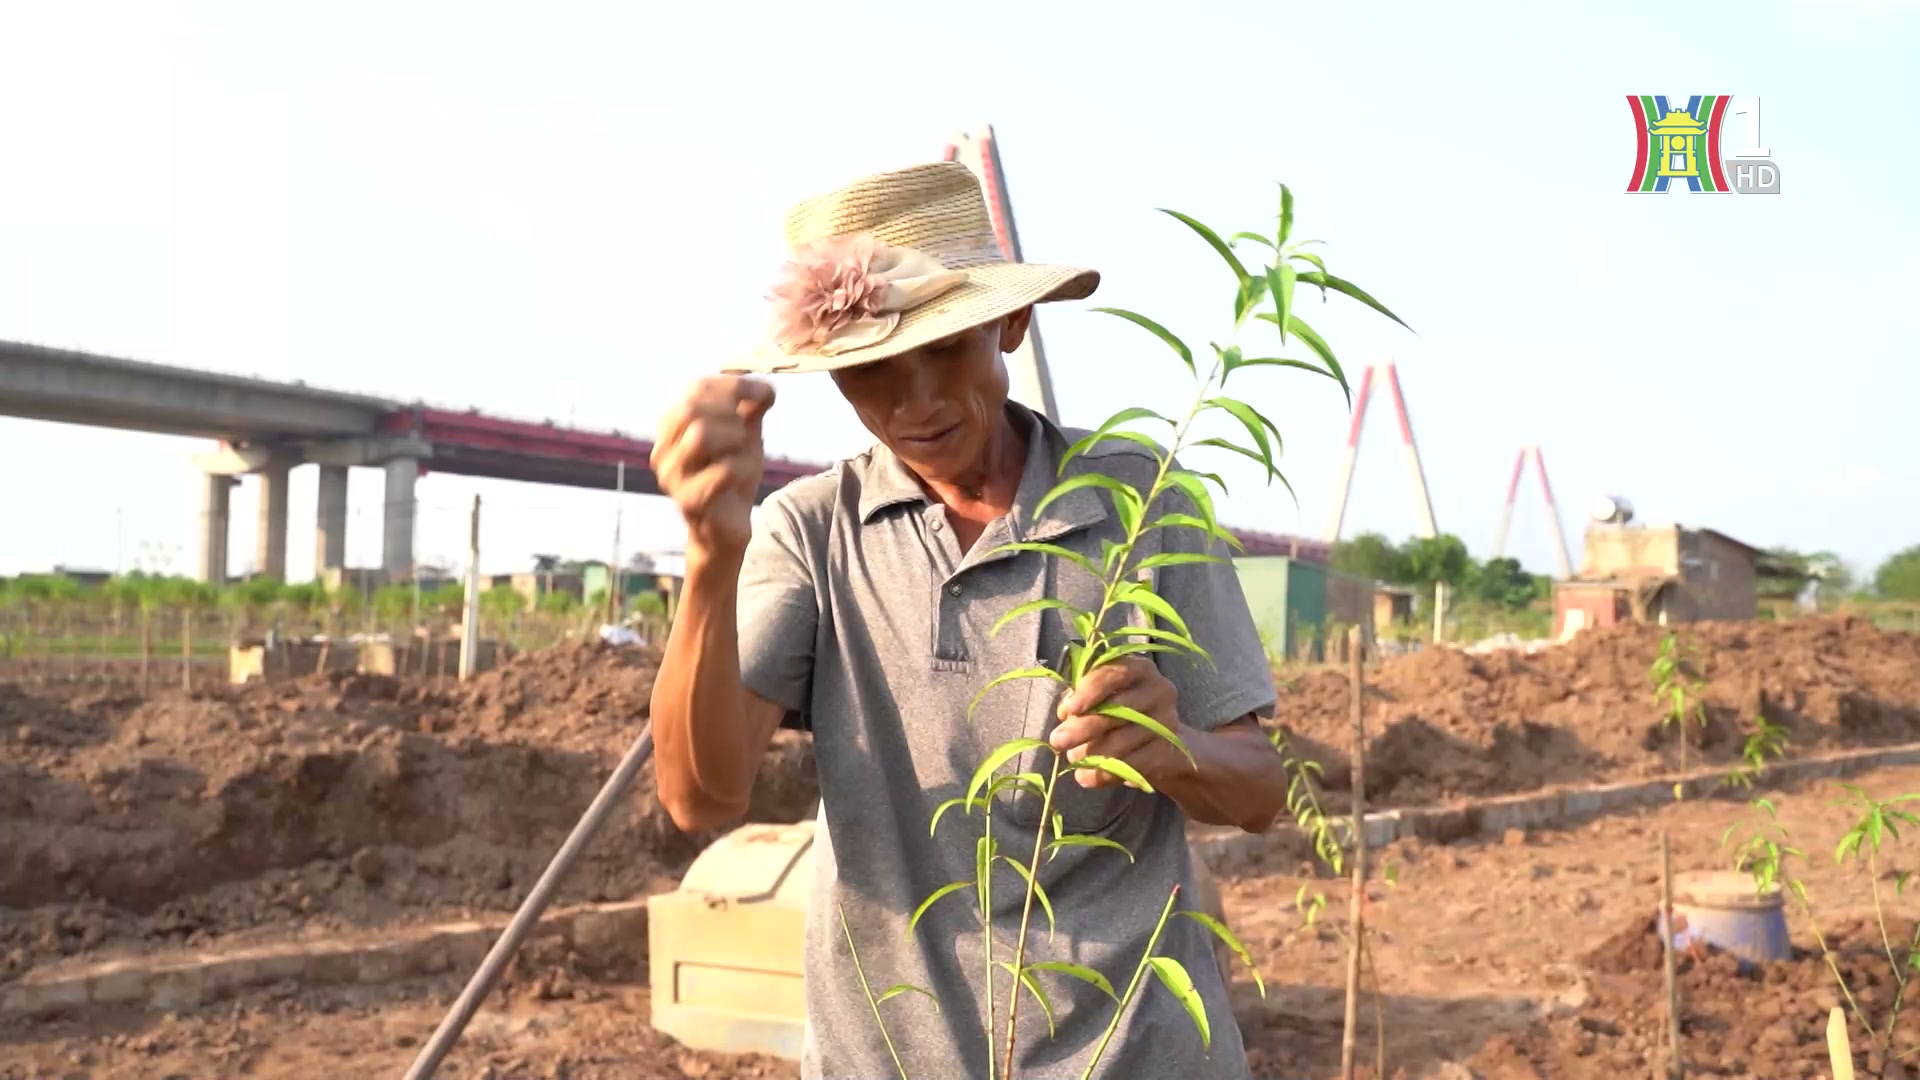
[570, 211]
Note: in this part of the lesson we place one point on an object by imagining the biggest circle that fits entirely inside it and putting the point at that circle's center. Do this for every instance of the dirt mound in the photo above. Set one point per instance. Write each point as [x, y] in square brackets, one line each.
[1768, 1021]
[1443, 723]
[333, 800]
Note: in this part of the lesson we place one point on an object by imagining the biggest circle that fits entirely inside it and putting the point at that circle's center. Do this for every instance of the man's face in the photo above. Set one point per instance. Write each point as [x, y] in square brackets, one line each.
[936, 407]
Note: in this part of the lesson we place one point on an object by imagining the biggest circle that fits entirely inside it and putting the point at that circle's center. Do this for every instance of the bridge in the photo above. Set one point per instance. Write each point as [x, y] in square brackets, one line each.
[267, 428]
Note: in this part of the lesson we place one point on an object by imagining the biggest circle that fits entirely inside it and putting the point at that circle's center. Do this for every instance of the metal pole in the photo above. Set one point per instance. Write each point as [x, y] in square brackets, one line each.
[613, 564]
[470, 616]
[1356, 899]
[528, 917]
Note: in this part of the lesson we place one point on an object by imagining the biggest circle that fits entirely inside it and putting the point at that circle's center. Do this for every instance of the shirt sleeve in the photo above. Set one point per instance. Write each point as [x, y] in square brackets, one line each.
[1209, 598]
[779, 611]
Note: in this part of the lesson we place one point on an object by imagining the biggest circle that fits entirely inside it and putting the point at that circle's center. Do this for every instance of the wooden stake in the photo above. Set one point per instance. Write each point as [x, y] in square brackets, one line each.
[1839, 1048]
[186, 650]
[1675, 1069]
[1356, 924]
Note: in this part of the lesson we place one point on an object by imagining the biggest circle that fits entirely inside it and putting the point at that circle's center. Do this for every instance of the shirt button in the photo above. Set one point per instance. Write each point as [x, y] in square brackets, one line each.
[936, 525]
[954, 589]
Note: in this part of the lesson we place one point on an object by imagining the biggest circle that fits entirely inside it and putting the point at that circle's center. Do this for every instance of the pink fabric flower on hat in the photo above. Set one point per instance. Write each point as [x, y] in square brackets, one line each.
[828, 284]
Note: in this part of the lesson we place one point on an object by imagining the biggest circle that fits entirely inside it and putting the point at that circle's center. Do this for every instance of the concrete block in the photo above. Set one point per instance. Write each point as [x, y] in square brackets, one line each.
[117, 984]
[279, 964]
[384, 963]
[224, 976]
[612, 929]
[468, 944]
[38, 999]
[332, 964]
[179, 987]
[432, 956]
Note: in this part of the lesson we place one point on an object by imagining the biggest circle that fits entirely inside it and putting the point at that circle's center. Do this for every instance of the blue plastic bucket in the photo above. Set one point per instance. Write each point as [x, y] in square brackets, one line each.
[1721, 908]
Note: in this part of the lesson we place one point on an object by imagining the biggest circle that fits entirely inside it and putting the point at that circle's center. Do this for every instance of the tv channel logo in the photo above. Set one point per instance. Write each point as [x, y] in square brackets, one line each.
[1683, 144]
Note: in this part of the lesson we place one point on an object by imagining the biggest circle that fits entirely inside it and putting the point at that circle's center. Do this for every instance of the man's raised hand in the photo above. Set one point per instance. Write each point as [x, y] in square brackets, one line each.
[708, 458]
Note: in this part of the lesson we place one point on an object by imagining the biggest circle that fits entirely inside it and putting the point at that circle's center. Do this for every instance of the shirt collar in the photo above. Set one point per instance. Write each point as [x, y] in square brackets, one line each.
[886, 481]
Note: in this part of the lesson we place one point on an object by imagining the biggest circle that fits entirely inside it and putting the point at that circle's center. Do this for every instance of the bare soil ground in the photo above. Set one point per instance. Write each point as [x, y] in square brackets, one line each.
[336, 805]
[326, 804]
[1529, 957]
[1445, 724]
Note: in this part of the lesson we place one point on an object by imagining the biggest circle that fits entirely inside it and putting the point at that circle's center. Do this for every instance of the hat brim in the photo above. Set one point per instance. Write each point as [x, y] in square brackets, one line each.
[991, 291]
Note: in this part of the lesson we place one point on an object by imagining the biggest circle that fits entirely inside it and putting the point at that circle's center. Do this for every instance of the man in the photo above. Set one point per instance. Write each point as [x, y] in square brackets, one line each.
[860, 606]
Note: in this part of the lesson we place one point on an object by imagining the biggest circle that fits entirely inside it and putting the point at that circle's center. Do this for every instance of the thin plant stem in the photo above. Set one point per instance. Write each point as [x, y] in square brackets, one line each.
[1900, 992]
[1833, 965]
[1132, 987]
[1026, 912]
[867, 989]
[986, 927]
[1379, 1013]
[1880, 914]
[1080, 667]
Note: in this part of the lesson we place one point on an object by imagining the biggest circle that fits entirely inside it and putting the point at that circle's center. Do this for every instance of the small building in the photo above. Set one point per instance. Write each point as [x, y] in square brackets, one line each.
[1660, 574]
[1392, 606]
[1297, 605]
[532, 585]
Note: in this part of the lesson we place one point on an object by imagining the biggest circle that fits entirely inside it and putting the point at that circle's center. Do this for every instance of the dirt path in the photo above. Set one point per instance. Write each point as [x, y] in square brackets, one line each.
[1486, 956]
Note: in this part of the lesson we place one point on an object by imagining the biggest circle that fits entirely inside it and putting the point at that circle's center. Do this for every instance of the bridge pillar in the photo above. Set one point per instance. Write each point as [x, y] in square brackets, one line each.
[270, 539]
[330, 524]
[396, 549]
[216, 495]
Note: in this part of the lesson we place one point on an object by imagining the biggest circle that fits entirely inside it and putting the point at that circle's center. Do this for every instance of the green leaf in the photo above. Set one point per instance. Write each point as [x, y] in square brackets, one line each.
[1072, 556]
[1220, 931]
[1254, 424]
[1080, 840]
[1286, 216]
[1133, 592]
[1135, 716]
[1280, 286]
[1133, 648]
[1309, 257]
[1341, 285]
[1078, 971]
[983, 852]
[1126, 501]
[1229, 359]
[1177, 558]
[1180, 640]
[1177, 520]
[1039, 890]
[932, 899]
[1109, 430]
[897, 989]
[1213, 240]
[1033, 987]
[1281, 361]
[1175, 978]
[1247, 297]
[1022, 673]
[940, 810]
[1001, 754]
[1161, 332]
[1110, 553]
[1031, 781]
[1255, 237]
[1195, 489]
[1115, 767]
[1045, 603]
[1321, 349]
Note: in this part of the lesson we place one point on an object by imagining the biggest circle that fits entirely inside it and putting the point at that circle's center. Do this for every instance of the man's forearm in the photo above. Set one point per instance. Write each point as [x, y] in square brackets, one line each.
[1237, 779]
[705, 751]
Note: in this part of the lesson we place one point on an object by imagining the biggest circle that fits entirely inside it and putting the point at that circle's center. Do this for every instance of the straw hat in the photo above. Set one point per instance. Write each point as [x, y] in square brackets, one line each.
[893, 262]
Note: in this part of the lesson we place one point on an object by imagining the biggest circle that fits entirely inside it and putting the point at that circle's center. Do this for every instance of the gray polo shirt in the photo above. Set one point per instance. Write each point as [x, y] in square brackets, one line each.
[860, 613]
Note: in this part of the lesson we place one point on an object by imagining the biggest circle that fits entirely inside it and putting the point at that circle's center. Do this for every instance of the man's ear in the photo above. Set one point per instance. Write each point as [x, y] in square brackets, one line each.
[1013, 329]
